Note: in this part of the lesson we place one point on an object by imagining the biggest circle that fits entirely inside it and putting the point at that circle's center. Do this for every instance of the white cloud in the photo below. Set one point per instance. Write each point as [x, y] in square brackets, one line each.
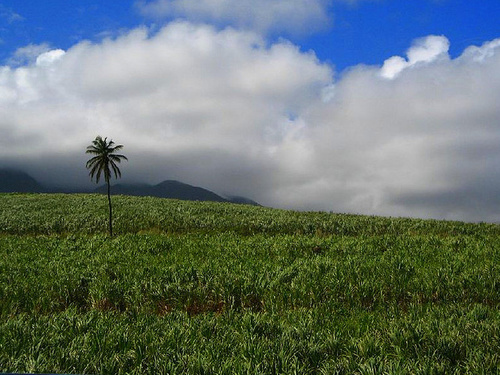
[49, 57]
[479, 54]
[428, 49]
[424, 143]
[227, 111]
[205, 106]
[423, 51]
[28, 54]
[290, 16]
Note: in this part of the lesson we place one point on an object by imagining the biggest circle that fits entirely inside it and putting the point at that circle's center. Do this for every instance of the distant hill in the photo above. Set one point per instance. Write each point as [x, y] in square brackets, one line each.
[166, 189]
[12, 180]
[241, 200]
[179, 190]
[16, 181]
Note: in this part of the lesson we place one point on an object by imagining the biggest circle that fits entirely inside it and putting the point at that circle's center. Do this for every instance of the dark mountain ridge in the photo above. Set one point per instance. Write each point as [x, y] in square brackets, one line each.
[166, 189]
[15, 181]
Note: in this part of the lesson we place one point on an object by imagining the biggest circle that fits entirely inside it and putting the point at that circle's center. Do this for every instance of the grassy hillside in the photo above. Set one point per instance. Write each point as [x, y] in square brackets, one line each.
[191, 287]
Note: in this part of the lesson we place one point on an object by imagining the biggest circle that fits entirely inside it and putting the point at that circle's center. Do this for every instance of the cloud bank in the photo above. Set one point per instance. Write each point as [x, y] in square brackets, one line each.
[228, 111]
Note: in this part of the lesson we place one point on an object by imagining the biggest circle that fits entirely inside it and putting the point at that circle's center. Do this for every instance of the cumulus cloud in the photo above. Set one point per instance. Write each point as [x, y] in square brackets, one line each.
[28, 54]
[424, 51]
[49, 57]
[189, 102]
[290, 16]
[228, 111]
[422, 144]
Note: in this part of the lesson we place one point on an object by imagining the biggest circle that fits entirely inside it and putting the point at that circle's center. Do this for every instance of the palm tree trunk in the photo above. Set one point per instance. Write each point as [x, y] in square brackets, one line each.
[110, 210]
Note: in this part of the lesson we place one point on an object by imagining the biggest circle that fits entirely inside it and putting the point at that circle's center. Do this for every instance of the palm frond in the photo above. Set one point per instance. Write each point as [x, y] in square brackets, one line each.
[105, 159]
[116, 170]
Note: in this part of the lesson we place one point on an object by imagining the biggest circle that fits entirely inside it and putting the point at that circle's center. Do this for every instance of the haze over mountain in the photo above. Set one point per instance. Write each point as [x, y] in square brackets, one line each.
[12, 180]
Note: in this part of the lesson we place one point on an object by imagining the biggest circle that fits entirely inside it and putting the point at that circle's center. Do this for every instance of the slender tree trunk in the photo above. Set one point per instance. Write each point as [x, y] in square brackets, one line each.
[110, 211]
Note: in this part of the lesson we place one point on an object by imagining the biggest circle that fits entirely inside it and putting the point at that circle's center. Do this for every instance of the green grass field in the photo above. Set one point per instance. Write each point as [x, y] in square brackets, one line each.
[215, 288]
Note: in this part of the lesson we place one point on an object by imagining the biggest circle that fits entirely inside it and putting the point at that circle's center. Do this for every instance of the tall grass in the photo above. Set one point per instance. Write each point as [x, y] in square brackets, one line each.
[86, 214]
[190, 287]
[226, 271]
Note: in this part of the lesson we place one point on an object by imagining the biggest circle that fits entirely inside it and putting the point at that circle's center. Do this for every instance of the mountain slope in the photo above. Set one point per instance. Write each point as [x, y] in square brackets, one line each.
[179, 190]
[166, 189]
[241, 200]
[15, 181]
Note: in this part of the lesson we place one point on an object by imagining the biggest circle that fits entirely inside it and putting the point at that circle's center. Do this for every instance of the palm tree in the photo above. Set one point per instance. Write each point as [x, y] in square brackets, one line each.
[104, 162]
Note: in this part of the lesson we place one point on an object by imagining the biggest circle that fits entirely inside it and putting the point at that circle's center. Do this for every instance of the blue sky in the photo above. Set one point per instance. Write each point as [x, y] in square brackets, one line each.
[370, 31]
[363, 33]
[384, 107]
